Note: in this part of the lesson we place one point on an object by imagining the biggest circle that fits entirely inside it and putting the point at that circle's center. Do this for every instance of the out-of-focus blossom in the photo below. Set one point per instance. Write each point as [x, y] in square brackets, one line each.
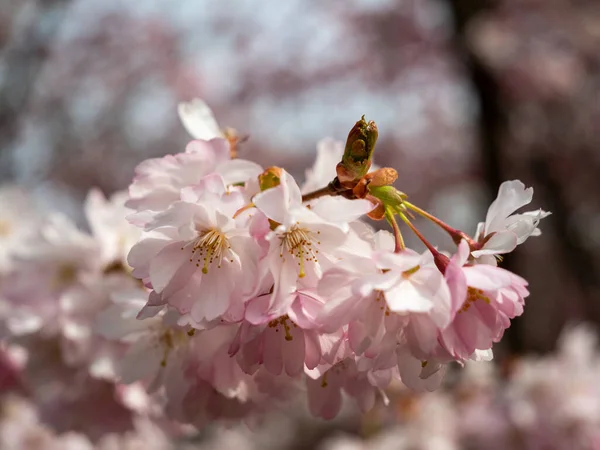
[106, 221]
[329, 153]
[17, 217]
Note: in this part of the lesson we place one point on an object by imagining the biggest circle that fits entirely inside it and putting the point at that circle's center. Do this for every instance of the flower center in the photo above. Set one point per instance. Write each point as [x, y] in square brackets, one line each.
[472, 296]
[283, 322]
[298, 242]
[211, 245]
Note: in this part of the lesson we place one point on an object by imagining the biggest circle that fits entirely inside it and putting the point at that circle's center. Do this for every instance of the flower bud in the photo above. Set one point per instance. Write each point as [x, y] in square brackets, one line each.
[389, 196]
[270, 178]
[382, 177]
[358, 153]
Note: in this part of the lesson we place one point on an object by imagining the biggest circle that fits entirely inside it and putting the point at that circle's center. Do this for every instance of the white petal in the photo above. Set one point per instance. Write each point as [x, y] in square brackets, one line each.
[500, 242]
[512, 195]
[407, 297]
[339, 209]
[274, 203]
[199, 120]
[238, 170]
[329, 153]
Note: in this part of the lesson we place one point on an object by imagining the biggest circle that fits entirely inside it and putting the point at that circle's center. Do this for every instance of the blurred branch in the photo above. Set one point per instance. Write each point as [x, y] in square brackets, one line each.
[23, 59]
[493, 120]
[574, 250]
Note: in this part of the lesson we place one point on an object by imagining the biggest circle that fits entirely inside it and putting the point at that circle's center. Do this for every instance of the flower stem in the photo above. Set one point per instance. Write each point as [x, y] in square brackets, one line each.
[397, 233]
[333, 188]
[430, 247]
[318, 193]
[431, 217]
[455, 234]
[441, 260]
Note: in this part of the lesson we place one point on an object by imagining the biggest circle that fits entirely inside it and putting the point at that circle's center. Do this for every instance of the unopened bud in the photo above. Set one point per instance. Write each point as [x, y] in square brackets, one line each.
[358, 153]
[270, 178]
[389, 196]
[382, 177]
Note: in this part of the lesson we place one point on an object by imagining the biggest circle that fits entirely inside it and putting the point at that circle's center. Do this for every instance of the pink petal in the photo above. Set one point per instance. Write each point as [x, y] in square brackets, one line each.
[165, 265]
[215, 297]
[312, 349]
[276, 202]
[293, 352]
[272, 353]
[142, 253]
[486, 277]
[457, 283]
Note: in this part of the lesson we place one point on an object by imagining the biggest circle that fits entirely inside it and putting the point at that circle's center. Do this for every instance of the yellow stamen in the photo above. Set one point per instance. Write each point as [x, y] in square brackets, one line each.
[282, 321]
[472, 296]
[211, 245]
[301, 244]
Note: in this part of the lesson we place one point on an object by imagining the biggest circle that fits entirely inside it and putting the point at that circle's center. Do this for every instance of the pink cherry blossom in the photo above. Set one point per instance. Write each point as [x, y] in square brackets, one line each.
[484, 299]
[216, 291]
[158, 182]
[60, 256]
[197, 258]
[280, 345]
[18, 218]
[325, 392]
[304, 242]
[106, 218]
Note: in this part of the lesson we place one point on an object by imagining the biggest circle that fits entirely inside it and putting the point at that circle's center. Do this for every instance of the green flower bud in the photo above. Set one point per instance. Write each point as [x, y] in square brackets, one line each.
[270, 178]
[358, 153]
[390, 197]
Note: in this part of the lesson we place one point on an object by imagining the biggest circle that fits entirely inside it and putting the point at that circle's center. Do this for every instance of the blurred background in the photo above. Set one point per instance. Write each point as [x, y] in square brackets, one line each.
[466, 94]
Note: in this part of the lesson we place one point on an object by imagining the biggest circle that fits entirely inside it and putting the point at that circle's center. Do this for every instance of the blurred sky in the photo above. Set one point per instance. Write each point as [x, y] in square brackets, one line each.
[286, 73]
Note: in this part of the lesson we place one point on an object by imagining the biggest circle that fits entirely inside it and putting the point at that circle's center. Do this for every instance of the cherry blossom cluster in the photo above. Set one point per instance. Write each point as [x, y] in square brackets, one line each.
[219, 289]
[547, 402]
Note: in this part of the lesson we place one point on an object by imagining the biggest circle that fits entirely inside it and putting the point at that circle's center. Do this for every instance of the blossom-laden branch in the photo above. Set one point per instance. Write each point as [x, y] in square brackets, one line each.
[222, 284]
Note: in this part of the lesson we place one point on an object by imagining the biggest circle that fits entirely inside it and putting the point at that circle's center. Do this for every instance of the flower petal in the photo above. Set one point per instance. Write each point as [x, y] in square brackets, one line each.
[199, 120]
[512, 195]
